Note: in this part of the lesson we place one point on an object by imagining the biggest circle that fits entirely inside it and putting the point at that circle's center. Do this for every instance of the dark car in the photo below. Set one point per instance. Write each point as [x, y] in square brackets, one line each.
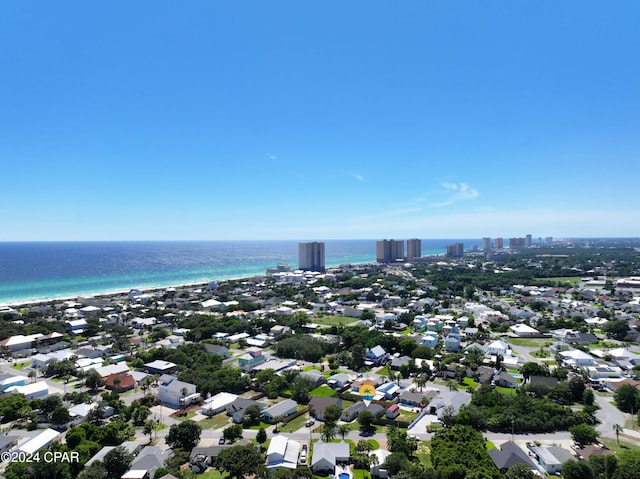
[222, 440]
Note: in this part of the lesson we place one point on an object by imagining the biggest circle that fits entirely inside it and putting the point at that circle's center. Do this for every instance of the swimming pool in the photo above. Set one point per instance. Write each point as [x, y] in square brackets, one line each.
[344, 475]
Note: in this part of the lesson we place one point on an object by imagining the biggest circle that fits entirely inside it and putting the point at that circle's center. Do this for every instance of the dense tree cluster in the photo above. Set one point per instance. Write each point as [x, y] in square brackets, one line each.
[460, 452]
[492, 410]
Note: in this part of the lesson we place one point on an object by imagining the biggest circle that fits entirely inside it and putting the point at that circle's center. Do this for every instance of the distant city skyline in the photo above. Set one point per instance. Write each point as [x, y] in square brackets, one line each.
[335, 120]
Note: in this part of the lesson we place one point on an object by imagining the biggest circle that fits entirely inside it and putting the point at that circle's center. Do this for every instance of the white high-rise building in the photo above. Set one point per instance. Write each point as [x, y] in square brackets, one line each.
[311, 256]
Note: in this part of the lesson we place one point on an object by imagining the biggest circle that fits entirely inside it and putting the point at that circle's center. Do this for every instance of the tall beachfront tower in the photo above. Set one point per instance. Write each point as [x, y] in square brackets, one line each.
[528, 241]
[388, 251]
[486, 244]
[414, 248]
[311, 256]
[455, 250]
[499, 243]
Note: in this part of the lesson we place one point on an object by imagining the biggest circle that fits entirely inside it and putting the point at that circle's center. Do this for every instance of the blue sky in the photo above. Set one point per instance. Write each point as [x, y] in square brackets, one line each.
[319, 120]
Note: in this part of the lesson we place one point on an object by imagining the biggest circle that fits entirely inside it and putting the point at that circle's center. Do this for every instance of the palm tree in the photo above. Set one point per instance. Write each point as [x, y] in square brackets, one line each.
[343, 430]
[328, 432]
[618, 429]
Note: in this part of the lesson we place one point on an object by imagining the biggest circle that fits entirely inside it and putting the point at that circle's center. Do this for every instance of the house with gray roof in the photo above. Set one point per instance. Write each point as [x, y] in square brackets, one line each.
[317, 405]
[282, 409]
[508, 455]
[351, 413]
[327, 455]
[376, 355]
[177, 393]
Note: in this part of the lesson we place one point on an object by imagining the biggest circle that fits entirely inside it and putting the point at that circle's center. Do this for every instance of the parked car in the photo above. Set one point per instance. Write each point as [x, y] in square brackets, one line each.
[222, 440]
[309, 423]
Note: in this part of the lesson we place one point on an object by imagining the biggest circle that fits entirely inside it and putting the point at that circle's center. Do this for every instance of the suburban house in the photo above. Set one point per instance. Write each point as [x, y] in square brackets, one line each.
[282, 409]
[430, 340]
[339, 380]
[351, 413]
[509, 454]
[218, 403]
[452, 342]
[160, 367]
[236, 410]
[8, 380]
[551, 458]
[120, 382]
[524, 331]
[317, 405]
[146, 462]
[327, 455]
[251, 359]
[376, 355]
[498, 347]
[42, 440]
[177, 393]
[31, 391]
[393, 411]
[505, 380]
[283, 453]
[75, 326]
[217, 349]
[575, 357]
[314, 375]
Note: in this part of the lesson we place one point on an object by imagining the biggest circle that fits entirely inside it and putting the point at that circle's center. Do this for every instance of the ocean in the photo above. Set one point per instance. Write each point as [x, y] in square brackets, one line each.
[34, 271]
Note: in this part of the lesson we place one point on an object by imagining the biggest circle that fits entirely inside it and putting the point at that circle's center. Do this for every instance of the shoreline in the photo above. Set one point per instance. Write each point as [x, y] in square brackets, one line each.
[144, 288]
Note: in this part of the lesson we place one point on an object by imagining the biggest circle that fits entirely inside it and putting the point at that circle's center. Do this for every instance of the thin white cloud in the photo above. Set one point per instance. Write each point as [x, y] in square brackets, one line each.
[272, 157]
[456, 192]
[358, 177]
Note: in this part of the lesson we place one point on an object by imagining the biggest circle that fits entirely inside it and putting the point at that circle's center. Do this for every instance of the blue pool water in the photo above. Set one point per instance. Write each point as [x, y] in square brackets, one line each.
[344, 475]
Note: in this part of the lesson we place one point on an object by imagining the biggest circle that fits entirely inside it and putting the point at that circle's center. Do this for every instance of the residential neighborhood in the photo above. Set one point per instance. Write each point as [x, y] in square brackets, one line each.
[541, 371]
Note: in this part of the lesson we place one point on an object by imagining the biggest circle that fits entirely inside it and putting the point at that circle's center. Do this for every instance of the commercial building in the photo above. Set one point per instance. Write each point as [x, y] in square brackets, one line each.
[414, 248]
[486, 244]
[499, 243]
[311, 256]
[388, 251]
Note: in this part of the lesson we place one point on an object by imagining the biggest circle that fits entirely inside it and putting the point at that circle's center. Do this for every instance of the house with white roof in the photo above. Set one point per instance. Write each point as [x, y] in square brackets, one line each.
[498, 347]
[31, 391]
[576, 358]
[218, 403]
[8, 380]
[41, 441]
[524, 331]
[283, 453]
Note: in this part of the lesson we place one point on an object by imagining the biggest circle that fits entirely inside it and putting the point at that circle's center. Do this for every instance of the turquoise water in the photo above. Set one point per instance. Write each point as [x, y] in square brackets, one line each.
[32, 271]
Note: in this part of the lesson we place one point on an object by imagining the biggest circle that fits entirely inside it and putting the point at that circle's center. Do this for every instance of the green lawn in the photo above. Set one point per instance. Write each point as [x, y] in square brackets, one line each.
[506, 390]
[470, 383]
[383, 371]
[323, 392]
[335, 320]
[490, 445]
[530, 342]
[189, 415]
[361, 474]
[297, 423]
[572, 280]
[20, 366]
[612, 444]
[215, 422]
[311, 368]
